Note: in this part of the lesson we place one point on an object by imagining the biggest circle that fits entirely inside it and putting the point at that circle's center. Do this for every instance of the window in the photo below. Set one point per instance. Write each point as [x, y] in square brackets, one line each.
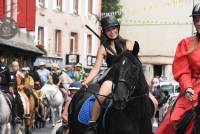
[90, 6]
[42, 3]
[59, 5]
[74, 43]
[89, 44]
[75, 7]
[41, 36]
[58, 42]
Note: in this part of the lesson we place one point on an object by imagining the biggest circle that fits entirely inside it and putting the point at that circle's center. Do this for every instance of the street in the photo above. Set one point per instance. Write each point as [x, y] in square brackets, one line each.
[46, 130]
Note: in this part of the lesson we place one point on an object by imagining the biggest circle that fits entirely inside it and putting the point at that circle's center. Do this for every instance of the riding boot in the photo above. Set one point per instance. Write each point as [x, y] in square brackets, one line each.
[92, 129]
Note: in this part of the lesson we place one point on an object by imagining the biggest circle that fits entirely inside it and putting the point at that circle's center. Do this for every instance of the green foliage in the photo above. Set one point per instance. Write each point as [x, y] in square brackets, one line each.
[111, 6]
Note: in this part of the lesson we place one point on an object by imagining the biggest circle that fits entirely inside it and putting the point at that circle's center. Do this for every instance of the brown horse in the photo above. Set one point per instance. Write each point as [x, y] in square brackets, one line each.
[29, 122]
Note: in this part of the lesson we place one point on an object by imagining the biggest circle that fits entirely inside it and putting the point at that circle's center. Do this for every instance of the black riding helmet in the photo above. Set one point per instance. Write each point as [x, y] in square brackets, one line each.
[196, 11]
[109, 21]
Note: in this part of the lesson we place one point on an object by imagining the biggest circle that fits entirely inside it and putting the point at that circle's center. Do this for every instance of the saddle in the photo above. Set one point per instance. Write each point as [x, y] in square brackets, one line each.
[191, 114]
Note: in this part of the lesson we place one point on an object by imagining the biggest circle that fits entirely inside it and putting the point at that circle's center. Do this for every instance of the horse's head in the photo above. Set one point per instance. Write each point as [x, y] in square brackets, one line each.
[126, 68]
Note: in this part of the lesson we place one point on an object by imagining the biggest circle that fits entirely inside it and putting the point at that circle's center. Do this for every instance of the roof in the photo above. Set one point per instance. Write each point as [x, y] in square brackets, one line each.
[21, 46]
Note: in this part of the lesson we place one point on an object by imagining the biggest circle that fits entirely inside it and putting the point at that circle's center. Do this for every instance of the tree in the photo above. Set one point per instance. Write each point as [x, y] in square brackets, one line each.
[112, 7]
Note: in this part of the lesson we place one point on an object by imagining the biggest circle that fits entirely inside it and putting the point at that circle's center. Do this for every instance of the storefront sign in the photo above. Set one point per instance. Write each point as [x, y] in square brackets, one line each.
[72, 59]
[92, 59]
[8, 28]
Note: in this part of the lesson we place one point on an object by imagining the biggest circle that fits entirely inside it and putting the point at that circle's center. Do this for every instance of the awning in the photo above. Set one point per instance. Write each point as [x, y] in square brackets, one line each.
[49, 60]
[21, 46]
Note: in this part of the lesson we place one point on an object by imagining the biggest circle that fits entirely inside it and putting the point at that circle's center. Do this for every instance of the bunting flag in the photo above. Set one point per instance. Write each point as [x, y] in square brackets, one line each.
[21, 13]
[2, 7]
[158, 6]
[30, 19]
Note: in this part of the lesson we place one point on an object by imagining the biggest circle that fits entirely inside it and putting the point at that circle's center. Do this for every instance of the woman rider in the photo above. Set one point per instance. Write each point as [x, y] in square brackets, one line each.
[186, 70]
[110, 29]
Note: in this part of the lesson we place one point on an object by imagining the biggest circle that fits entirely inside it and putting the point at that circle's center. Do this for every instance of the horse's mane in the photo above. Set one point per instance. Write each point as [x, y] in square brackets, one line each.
[128, 54]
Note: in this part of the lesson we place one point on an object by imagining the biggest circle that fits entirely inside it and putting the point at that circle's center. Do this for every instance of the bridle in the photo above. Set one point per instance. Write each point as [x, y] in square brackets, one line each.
[131, 90]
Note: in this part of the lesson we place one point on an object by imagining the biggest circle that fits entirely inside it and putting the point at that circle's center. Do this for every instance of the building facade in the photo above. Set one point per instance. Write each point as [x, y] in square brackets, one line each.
[158, 26]
[21, 47]
[61, 32]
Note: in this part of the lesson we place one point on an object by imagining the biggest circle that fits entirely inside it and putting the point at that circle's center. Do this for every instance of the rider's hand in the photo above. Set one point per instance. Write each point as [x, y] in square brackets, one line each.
[84, 84]
[189, 94]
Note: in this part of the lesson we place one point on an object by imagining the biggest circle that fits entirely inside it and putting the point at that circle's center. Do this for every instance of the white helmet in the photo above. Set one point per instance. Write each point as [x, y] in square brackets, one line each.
[25, 69]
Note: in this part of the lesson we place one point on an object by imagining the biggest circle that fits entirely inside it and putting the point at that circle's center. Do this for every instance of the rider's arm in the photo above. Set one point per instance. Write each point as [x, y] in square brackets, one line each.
[97, 66]
[181, 67]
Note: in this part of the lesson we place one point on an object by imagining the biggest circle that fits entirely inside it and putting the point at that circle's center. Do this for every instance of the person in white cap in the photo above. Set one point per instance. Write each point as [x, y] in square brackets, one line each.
[43, 73]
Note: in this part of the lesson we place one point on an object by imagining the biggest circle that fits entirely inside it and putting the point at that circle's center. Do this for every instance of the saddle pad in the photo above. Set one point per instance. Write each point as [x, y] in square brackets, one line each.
[85, 113]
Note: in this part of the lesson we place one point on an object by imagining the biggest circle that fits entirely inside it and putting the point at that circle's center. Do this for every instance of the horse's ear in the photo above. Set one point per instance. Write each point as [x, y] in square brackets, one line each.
[136, 49]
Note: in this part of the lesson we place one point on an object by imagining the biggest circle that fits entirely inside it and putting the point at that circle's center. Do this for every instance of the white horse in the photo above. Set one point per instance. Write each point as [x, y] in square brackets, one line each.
[5, 113]
[55, 99]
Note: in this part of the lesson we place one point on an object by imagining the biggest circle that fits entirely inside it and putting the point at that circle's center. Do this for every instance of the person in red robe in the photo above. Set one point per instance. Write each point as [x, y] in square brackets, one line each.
[186, 70]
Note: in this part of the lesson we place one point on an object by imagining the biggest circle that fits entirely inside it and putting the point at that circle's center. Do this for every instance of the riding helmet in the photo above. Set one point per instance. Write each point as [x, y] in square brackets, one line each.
[109, 21]
[196, 10]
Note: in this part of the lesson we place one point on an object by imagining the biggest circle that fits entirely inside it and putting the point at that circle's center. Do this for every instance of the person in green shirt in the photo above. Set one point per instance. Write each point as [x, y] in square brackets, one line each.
[79, 73]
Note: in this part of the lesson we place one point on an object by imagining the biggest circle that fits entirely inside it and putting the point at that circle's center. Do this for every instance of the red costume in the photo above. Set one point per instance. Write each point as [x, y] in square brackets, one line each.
[186, 70]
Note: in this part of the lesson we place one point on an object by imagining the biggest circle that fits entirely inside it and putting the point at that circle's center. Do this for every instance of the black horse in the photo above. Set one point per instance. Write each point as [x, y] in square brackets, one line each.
[131, 109]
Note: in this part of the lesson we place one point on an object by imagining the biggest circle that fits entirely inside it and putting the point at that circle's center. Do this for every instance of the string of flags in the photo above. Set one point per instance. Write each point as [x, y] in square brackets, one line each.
[149, 8]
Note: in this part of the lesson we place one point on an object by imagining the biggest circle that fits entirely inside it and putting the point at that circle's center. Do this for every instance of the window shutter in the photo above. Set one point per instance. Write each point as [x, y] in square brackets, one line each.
[21, 15]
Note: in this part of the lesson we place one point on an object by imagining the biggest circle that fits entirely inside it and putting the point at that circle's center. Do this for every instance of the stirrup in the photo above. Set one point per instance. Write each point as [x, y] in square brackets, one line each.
[92, 129]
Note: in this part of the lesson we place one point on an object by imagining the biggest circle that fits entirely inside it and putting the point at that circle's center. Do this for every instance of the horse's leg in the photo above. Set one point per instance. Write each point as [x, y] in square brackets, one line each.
[8, 128]
[3, 129]
[32, 111]
[53, 117]
[60, 111]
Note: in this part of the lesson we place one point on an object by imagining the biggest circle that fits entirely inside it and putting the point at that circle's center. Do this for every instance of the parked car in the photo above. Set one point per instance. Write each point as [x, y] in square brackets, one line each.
[172, 87]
